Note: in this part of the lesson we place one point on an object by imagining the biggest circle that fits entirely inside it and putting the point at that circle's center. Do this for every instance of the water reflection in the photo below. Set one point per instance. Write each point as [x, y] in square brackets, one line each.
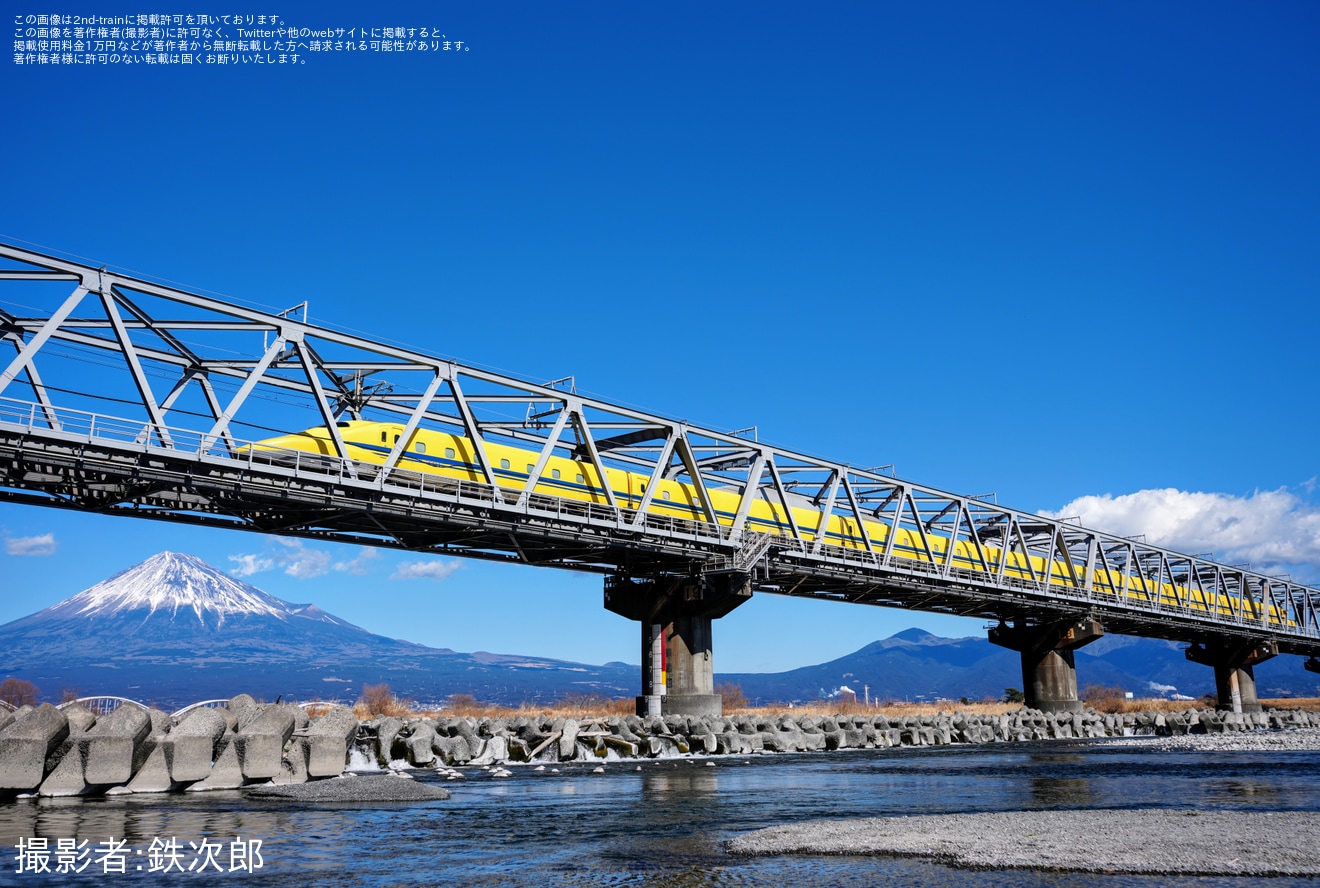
[141, 818]
[688, 780]
[1057, 782]
[1252, 792]
[1056, 792]
[664, 825]
[1057, 761]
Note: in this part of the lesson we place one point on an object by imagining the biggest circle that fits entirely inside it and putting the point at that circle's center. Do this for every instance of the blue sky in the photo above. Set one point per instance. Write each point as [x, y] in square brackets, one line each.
[1061, 252]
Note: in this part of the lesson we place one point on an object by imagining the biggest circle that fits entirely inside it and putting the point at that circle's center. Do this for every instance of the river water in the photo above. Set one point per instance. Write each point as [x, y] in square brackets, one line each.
[665, 824]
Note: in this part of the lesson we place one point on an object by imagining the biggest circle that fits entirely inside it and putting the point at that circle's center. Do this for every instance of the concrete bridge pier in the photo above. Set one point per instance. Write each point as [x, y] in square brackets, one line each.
[675, 614]
[1049, 673]
[1235, 680]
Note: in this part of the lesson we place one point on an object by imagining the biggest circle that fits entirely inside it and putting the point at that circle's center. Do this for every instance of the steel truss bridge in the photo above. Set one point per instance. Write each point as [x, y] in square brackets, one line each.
[125, 397]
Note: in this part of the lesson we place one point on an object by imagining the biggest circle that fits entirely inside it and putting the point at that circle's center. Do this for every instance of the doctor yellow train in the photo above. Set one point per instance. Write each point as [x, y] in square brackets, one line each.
[453, 456]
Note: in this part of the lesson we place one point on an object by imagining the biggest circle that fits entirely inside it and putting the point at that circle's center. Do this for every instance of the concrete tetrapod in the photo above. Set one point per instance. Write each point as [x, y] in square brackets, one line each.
[110, 746]
[34, 733]
[568, 740]
[65, 763]
[226, 773]
[260, 743]
[71, 752]
[191, 744]
[387, 730]
[239, 711]
[154, 775]
[66, 779]
[418, 743]
[79, 716]
[329, 737]
[293, 768]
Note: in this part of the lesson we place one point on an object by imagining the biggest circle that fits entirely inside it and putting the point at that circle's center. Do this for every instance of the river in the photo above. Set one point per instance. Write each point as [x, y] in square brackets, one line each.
[662, 825]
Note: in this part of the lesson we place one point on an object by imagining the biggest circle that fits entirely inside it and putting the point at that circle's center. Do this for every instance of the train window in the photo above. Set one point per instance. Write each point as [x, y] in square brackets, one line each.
[581, 480]
[396, 437]
[504, 464]
[384, 438]
[449, 453]
[529, 468]
[554, 473]
[665, 494]
[421, 448]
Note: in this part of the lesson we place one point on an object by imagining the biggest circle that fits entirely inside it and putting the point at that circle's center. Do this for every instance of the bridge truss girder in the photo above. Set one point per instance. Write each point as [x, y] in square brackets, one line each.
[124, 396]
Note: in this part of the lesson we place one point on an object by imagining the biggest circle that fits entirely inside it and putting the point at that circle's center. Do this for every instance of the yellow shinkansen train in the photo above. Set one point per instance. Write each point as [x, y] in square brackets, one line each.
[453, 456]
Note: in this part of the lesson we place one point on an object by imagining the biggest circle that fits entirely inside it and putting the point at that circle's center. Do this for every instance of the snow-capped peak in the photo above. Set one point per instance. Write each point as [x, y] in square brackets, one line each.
[171, 582]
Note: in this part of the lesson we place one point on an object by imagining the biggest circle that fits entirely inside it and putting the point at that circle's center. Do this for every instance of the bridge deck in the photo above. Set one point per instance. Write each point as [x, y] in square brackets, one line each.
[123, 396]
[101, 464]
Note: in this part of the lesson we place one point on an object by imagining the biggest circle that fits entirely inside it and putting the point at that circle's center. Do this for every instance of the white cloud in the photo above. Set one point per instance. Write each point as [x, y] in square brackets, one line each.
[300, 561]
[360, 565]
[250, 564]
[425, 570]
[305, 564]
[1273, 530]
[37, 545]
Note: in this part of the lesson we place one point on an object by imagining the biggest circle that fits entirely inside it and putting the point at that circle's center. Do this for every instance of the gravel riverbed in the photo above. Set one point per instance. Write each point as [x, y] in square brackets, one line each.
[1106, 841]
[1147, 841]
[384, 788]
[1255, 741]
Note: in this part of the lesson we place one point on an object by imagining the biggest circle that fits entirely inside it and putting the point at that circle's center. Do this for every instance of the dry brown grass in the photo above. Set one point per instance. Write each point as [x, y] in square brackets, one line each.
[731, 695]
[582, 706]
[1310, 704]
[577, 706]
[17, 692]
[466, 706]
[378, 700]
[1113, 700]
[889, 709]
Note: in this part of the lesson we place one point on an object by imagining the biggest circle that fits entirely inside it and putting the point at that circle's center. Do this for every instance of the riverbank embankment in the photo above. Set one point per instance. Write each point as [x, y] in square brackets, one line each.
[423, 742]
[70, 751]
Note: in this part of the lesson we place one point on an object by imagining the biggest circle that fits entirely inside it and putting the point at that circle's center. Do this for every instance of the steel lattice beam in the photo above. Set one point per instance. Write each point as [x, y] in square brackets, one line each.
[124, 396]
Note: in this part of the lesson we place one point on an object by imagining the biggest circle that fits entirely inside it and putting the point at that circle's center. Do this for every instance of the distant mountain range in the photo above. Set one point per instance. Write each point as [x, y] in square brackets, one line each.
[174, 630]
[916, 665]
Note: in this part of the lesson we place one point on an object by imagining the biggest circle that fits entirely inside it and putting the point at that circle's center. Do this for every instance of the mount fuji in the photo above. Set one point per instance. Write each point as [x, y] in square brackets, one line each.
[174, 630]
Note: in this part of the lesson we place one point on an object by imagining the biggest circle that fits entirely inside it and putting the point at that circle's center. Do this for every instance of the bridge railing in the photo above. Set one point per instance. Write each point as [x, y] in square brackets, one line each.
[103, 705]
[1274, 616]
[35, 419]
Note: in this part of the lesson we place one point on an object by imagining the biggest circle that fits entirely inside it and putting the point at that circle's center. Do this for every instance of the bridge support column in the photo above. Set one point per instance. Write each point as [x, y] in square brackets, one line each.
[1235, 680]
[653, 668]
[1049, 673]
[678, 671]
